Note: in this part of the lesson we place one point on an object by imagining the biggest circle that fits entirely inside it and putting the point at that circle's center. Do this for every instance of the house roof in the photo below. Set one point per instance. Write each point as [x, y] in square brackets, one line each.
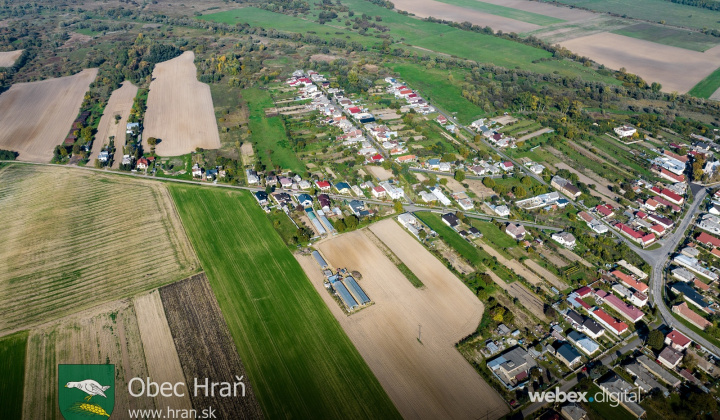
[342, 185]
[670, 355]
[630, 282]
[706, 238]
[323, 184]
[574, 316]
[700, 285]
[618, 326]
[678, 338]
[568, 353]
[684, 310]
[593, 326]
[583, 291]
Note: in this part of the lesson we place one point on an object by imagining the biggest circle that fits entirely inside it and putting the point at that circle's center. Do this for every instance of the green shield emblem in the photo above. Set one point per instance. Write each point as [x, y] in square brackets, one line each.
[86, 391]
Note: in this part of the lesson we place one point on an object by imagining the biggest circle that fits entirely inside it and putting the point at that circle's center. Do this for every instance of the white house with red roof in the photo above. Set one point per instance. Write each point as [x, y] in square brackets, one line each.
[629, 281]
[323, 185]
[377, 158]
[507, 166]
[378, 192]
[612, 324]
[708, 240]
[142, 163]
[677, 340]
[606, 210]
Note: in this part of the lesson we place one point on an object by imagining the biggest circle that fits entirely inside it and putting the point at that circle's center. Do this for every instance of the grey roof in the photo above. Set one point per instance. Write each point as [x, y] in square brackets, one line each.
[513, 358]
[592, 326]
[573, 411]
[616, 386]
[574, 316]
[568, 352]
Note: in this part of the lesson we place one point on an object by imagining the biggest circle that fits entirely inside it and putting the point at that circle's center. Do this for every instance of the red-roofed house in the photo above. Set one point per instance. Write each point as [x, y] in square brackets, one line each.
[683, 159]
[648, 239]
[377, 158]
[441, 119]
[630, 312]
[672, 197]
[605, 210]
[629, 281]
[586, 217]
[379, 191]
[658, 230]
[583, 291]
[506, 166]
[691, 316]
[651, 204]
[665, 202]
[700, 285]
[323, 185]
[661, 220]
[627, 230]
[677, 340]
[354, 110]
[142, 163]
[671, 176]
[641, 215]
[615, 326]
[708, 240]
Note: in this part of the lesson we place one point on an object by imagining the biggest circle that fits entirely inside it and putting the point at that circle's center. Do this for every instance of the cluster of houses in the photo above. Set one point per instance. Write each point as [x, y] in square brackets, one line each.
[414, 101]
[467, 232]
[492, 136]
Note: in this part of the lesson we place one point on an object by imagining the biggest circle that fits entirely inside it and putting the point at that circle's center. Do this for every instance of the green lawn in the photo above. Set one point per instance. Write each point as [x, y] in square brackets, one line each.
[300, 362]
[436, 86]
[654, 10]
[493, 235]
[707, 86]
[268, 134]
[690, 40]
[507, 12]
[12, 374]
[605, 410]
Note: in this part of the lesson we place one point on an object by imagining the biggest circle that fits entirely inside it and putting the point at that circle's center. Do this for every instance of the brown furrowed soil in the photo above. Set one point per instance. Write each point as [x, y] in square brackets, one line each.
[427, 379]
[180, 109]
[651, 61]
[159, 349]
[205, 347]
[8, 58]
[37, 116]
[545, 273]
[572, 256]
[528, 299]
[120, 103]
[105, 334]
[76, 239]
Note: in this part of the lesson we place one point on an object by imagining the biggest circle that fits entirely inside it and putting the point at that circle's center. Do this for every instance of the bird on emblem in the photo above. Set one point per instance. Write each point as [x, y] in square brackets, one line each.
[90, 387]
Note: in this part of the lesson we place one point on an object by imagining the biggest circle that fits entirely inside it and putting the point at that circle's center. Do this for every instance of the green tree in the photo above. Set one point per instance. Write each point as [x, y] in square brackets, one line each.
[656, 340]
[398, 206]
[460, 176]
[488, 182]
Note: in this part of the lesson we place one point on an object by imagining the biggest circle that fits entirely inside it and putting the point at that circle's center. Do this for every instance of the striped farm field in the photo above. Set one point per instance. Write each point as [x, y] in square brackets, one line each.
[74, 239]
[299, 360]
[12, 373]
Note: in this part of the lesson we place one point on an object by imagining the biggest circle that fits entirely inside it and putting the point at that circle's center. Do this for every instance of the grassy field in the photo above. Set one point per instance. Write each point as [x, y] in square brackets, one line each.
[695, 41]
[493, 235]
[78, 239]
[707, 86]
[299, 359]
[653, 10]
[426, 35]
[435, 85]
[507, 12]
[269, 133]
[12, 372]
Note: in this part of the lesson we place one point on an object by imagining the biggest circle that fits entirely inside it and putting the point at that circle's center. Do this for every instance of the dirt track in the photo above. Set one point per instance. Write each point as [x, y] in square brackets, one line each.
[429, 380]
[120, 103]
[35, 117]
[180, 109]
[653, 62]
[8, 58]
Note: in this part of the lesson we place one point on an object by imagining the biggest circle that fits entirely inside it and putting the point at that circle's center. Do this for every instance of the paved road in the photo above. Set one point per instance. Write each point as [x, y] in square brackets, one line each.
[450, 174]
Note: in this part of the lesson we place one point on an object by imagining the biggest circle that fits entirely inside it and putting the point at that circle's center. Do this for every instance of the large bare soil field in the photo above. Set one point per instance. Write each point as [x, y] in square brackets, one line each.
[428, 379]
[180, 109]
[35, 117]
[653, 62]
[75, 239]
[8, 58]
[159, 349]
[120, 103]
[108, 332]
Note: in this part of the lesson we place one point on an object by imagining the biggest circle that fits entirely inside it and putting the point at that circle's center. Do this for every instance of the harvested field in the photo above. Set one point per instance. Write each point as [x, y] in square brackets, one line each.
[425, 380]
[120, 103]
[573, 256]
[386, 114]
[514, 265]
[477, 187]
[546, 274]
[534, 134]
[436, 9]
[647, 59]
[452, 184]
[205, 346]
[528, 299]
[554, 258]
[324, 57]
[159, 349]
[247, 153]
[8, 58]
[85, 246]
[35, 117]
[379, 172]
[180, 109]
[106, 333]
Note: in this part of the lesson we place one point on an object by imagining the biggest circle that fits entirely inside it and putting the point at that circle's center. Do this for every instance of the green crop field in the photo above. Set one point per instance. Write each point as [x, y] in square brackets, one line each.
[507, 12]
[300, 361]
[674, 37]
[12, 374]
[269, 133]
[438, 89]
[654, 10]
[707, 86]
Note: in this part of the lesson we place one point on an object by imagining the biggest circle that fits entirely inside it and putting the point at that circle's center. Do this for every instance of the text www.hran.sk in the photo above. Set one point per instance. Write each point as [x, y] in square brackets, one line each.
[171, 413]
